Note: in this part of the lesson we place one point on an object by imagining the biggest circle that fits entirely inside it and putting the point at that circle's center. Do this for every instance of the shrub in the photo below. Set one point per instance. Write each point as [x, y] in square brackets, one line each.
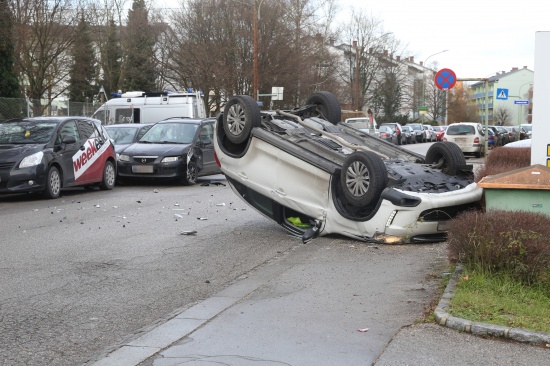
[504, 159]
[512, 242]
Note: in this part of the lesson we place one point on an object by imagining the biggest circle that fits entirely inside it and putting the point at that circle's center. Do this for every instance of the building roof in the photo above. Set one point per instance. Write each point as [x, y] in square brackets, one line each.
[501, 75]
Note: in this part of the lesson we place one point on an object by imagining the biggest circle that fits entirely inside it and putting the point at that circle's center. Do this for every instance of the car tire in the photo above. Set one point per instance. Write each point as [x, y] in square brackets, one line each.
[241, 114]
[53, 184]
[446, 156]
[326, 106]
[363, 178]
[109, 176]
[190, 175]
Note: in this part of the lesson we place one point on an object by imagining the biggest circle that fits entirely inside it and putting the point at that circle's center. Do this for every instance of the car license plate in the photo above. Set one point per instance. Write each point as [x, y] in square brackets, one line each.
[142, 169]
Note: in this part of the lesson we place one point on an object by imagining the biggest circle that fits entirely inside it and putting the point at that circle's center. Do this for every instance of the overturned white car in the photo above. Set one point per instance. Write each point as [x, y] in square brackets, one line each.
[316, 176]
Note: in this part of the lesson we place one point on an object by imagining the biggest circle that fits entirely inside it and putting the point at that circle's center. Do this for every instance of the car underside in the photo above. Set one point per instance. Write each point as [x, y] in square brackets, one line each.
[365, 179]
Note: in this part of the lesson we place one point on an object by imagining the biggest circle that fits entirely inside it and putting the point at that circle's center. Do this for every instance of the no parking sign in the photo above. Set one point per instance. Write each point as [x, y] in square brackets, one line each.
[445, 79]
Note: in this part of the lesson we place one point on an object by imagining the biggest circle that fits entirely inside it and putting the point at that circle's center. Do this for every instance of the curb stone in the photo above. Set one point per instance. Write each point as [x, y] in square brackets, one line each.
[443, 318]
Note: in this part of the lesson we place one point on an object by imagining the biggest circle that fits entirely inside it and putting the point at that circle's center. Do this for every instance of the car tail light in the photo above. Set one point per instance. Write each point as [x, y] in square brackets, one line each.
[476, 140]
[217, 160]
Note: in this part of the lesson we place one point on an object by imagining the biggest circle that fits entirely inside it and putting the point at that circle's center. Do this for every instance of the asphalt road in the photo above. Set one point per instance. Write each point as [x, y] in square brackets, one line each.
[83, 272]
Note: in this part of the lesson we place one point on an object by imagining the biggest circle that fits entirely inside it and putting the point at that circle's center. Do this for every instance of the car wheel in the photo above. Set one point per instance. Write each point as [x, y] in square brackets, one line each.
[363, 178]
[446, 156]
[53, 184]
[191, 174]
[241, 114]
[109, 176]
[326, 106]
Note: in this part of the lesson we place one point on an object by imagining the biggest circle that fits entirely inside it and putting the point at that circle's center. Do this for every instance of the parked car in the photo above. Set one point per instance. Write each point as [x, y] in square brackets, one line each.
[528, 130]
[492, 139]
[407, 133]
[175, 148]
[315, 176]
[513, 133]
[501, 135]
[397, 137]
[47, 154]
[431, 135]
[388, 134]
[419, 132]
[469, 136]
[440, 131]
[125, 134]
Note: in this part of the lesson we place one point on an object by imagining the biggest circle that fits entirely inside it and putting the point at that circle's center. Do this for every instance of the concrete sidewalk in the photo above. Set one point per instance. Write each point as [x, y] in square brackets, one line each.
[335, 302]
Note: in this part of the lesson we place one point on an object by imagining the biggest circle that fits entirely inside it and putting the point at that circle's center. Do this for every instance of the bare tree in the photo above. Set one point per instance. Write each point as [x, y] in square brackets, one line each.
[501, 115]
[364, 57]
[45, 30]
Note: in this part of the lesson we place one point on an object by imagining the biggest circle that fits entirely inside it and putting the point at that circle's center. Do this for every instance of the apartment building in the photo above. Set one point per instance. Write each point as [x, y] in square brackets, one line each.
[509, 97]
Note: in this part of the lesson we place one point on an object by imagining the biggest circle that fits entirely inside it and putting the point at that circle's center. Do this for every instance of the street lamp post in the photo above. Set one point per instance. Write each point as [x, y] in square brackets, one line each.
[424, 79]
[256, 76]
[356, 76]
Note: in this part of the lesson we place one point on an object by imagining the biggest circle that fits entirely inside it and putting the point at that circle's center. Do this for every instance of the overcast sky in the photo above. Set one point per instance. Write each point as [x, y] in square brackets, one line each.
[482, 36]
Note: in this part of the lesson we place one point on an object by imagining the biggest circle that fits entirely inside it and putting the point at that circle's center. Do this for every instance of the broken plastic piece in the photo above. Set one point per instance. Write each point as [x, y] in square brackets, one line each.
[202, 218]
[188, 232]
[364, 330]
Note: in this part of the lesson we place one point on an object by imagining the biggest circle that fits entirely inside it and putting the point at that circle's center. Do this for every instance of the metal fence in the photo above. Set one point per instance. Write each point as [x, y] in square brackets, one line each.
[21, 107]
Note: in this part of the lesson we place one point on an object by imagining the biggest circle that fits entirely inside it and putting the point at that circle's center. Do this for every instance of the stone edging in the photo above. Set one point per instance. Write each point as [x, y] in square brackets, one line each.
[442, 317]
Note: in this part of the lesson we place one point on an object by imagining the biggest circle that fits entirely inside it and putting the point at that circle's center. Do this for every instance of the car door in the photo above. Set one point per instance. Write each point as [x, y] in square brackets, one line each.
[67, 145]
[206, 145]
[90, 161]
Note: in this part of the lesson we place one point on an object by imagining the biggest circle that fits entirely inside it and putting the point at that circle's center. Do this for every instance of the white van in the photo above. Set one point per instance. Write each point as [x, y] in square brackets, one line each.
[362, 123]
[142, 107]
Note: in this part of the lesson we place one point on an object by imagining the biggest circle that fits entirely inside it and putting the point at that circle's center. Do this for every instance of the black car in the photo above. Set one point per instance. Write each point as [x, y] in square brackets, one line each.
[175, 148]
[46, 154]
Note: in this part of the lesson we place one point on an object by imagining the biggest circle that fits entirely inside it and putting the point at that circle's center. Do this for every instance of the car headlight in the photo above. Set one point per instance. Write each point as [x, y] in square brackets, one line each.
[123, 157]
[31, 160]
[171, 159]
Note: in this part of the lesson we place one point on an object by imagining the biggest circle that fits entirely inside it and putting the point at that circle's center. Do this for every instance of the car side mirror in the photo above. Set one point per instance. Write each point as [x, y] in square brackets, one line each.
[68, 140]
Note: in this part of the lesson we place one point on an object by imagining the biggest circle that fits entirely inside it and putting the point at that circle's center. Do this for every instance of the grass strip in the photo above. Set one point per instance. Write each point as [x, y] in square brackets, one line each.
[498, 299]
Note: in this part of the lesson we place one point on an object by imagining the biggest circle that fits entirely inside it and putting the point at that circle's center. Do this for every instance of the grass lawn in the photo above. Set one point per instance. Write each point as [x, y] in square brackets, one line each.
[497, 299]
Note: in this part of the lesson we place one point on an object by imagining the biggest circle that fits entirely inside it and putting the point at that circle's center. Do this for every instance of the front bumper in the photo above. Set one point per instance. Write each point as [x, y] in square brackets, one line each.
[23, 180]
[155, 170]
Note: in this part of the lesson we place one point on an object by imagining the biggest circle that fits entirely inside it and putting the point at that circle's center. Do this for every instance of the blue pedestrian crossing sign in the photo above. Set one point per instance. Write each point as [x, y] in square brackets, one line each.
[502, 94]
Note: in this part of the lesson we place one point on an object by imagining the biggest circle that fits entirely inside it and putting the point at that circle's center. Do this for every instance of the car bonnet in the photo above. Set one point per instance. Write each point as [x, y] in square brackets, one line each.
[140, 148]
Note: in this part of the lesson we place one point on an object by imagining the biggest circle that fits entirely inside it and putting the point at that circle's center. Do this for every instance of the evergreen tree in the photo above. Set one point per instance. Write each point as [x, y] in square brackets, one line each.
[9, 85]
[139, 68]
[112, 56]
[82, 73]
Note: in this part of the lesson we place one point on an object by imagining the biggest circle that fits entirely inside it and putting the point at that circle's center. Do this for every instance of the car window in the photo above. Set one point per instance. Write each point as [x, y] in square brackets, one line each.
[26, 133]
[122, 135]
[87, 130]
[181, 133]
[143, 131]
[67, 130]
[461, 130]
[207, 133]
